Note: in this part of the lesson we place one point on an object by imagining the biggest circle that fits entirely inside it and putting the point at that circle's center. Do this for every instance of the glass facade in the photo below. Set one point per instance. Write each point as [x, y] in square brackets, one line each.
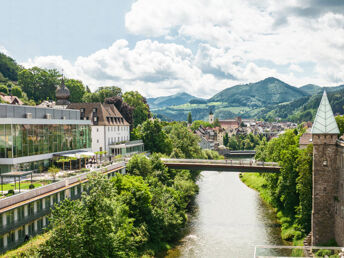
[26, 140]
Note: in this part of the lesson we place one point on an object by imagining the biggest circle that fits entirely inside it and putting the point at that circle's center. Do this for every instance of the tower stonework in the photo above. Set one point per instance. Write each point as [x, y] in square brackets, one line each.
[324, 188]
[325, 174]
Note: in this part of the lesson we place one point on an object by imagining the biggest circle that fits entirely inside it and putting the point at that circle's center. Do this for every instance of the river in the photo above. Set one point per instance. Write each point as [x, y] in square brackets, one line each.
[229, 220]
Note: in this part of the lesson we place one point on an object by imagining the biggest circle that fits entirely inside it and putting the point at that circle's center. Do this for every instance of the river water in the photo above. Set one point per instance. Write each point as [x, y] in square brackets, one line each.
[229, 220]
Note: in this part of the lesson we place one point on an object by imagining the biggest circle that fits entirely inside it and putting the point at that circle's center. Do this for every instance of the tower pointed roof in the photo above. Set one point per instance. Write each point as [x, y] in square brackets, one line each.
[324, 122]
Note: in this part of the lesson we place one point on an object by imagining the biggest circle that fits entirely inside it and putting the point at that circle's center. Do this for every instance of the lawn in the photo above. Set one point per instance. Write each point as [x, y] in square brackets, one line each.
[23, 185]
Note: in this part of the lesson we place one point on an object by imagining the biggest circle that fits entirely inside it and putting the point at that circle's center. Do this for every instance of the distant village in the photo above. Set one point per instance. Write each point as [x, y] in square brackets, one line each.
[212, 138]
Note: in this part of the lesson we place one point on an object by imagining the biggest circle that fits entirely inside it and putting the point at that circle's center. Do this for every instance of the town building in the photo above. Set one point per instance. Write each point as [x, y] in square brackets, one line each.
[108, 125]
[31, 136]
[13, 100]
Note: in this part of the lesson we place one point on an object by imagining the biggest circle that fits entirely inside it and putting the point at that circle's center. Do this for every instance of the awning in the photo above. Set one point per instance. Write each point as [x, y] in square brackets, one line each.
[78, 155]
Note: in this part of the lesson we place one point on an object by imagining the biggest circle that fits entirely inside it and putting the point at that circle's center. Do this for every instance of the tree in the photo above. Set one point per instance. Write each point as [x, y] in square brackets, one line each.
[304, 188]
[123, 107]
[217, 123]
[76, 89]
[53, 172]
[154, 137]
[39, 84]
[225, 139]
[17, 91]
[184, 142]
[141, 109]
[8, 67]
[189, 118]
[3, 89]
[97, 226]
[340, 123]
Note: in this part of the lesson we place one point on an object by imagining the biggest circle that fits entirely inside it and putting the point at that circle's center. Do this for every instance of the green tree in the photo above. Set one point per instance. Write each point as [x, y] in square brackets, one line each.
[17, 91]
[141, 110]
[184, 142]
[189, 118]
[108, 92]
[77, 90]
[225, 139]
[304, 188]
[216, 123]
[39, 84]
[340, 123]
[3, 89]
[8, 67]
[97, 226]
[53, 172]
[154, 137]
[196, 124]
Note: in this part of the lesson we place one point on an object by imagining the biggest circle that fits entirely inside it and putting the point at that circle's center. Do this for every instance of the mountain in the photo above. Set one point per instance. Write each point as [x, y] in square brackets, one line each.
[173, 100]
[267, 99]
[311, 89]
[304, 109]
[266, 92]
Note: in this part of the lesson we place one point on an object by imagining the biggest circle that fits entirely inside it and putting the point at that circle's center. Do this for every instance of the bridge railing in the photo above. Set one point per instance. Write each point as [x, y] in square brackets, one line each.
[224, 162]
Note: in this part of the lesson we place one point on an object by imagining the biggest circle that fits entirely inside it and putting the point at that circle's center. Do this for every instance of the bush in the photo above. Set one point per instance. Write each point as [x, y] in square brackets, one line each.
[10, 192]
[31, 186]
[85, 170]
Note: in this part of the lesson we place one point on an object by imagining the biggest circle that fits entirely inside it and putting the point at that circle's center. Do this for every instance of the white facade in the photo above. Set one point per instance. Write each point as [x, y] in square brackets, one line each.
[104, 135]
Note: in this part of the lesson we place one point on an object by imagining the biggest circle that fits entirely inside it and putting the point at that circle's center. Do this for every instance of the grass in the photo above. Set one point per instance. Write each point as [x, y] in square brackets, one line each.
[29, 249]
[23, 185]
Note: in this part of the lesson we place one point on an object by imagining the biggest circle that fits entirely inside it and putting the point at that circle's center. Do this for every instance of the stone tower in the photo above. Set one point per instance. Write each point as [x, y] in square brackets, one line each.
[211, 117]
[324, 136]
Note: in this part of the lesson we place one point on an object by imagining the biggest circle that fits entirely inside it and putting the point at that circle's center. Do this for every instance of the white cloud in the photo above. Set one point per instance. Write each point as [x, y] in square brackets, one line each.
[296, 68]
[233, 42]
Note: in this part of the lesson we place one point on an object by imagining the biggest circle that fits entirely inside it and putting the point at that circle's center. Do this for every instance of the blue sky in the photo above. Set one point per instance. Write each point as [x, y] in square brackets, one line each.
[161, 47]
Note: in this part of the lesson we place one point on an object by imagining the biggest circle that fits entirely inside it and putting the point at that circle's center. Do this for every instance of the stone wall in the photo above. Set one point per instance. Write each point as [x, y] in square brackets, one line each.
[339, 198]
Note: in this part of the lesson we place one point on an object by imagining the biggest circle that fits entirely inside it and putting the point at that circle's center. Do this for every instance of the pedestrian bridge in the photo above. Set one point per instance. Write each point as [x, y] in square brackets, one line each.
[223, 165]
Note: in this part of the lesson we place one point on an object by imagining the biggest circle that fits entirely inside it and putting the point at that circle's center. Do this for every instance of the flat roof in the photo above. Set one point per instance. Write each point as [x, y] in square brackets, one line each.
[16, 173]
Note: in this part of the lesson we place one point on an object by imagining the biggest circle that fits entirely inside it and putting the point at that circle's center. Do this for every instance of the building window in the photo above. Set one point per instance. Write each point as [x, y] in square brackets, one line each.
[47, 202]
[97, 141]
[10, 217]
[31, 209]
[39, 205]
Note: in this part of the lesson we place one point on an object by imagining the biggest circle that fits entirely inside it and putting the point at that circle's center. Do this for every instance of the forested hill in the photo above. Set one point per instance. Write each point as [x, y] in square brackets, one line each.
[262, 93]
[304, 109]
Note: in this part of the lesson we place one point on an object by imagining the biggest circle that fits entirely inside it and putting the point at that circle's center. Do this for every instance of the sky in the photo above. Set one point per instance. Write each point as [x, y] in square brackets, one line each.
[162, 47]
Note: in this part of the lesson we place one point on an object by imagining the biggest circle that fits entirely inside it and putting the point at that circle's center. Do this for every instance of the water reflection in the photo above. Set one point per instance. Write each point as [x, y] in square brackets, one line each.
[229, 220]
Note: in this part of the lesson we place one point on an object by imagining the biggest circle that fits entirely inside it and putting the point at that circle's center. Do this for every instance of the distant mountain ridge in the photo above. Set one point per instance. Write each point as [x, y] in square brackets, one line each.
[172, 100]
[258, 100]
[267, 91]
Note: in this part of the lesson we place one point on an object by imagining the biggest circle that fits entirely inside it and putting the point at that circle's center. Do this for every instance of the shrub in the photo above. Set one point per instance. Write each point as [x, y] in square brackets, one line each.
[10, 192]
[31, 186]
[85, 170]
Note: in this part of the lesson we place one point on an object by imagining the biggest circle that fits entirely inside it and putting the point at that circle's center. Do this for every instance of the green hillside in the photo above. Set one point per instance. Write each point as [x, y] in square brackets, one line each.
[267, 99]
[262, 93]
[304, 109]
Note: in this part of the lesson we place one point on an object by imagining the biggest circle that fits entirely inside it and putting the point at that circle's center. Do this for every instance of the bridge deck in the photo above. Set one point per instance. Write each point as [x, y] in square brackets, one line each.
[223, 165]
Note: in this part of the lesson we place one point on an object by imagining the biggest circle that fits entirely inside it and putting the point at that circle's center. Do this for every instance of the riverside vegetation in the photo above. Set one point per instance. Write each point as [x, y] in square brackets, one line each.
[289, 192]
[133, 215]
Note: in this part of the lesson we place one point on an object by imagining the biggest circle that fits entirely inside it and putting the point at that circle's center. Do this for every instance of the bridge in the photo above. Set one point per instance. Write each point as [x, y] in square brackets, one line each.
[223, 165]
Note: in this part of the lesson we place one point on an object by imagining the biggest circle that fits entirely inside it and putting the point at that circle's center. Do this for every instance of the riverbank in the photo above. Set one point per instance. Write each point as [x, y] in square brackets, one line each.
[289, 231]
